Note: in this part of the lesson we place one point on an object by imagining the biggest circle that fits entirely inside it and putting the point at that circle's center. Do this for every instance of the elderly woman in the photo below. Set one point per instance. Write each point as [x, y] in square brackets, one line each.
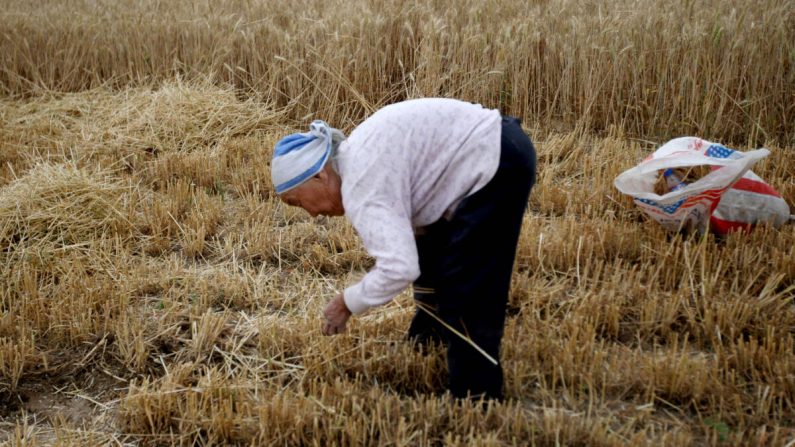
[436, 188]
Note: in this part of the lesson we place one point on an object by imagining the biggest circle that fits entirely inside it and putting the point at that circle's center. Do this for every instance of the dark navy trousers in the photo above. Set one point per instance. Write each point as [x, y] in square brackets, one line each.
[465, 270]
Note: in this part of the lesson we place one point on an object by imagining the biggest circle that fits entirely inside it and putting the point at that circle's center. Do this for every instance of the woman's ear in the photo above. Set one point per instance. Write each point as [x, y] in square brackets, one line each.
[322, 175]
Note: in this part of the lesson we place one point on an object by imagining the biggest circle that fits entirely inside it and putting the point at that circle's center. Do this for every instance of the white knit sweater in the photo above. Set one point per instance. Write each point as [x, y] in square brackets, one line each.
[405, 167]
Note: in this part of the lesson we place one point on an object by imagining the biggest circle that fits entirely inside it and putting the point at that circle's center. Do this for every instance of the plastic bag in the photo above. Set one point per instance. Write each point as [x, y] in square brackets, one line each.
[713, 198]
[746, 203]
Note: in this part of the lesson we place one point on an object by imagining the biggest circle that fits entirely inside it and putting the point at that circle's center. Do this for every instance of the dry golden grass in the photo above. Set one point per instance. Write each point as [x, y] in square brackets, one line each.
[720, 69]
[154, 292]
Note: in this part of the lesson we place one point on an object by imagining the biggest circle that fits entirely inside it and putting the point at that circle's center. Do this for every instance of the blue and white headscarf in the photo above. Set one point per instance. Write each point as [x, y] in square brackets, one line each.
[299, 156]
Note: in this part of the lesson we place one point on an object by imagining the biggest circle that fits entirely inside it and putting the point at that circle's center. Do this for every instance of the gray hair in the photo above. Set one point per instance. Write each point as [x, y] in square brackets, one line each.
[337, 137]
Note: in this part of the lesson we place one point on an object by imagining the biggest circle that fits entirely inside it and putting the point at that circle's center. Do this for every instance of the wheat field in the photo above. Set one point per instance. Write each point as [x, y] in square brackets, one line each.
[154, 291]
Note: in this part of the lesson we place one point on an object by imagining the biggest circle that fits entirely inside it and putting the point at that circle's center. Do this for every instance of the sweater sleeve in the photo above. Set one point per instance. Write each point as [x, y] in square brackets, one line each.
[388, 236]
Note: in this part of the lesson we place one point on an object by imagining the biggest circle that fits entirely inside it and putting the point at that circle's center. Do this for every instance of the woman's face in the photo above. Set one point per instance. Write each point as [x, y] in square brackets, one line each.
[320, 195]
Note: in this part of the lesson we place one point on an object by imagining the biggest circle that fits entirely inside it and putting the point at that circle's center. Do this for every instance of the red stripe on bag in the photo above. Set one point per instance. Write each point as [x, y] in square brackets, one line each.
[721, 226]
[750, 184]
[746, 184]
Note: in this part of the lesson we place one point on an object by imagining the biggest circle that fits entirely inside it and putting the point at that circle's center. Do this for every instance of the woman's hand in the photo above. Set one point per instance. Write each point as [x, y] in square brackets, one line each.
[336, 316]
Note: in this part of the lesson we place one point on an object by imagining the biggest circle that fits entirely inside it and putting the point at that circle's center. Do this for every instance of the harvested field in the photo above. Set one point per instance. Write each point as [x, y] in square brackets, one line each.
[153, 291]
